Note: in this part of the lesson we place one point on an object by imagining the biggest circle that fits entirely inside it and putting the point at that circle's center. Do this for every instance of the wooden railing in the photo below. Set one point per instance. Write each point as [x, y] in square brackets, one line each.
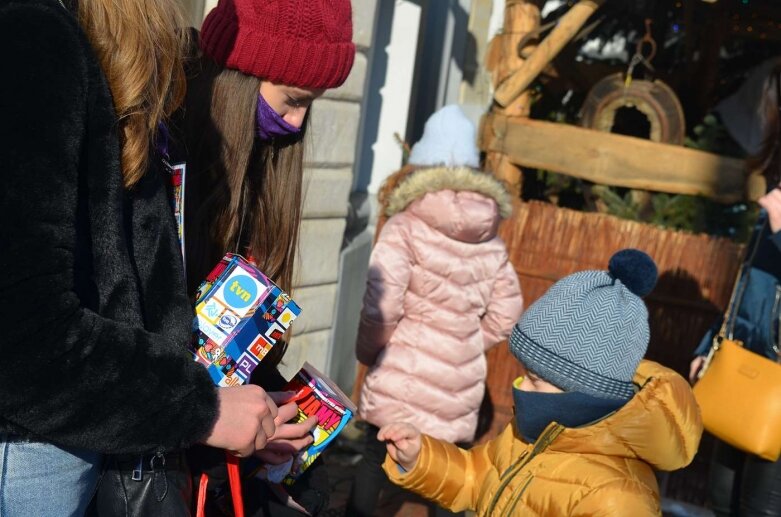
[617, 160]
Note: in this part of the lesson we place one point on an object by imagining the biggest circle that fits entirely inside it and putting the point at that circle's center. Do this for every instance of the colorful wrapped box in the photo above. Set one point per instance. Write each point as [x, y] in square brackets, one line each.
[240, 315]
[317, 395]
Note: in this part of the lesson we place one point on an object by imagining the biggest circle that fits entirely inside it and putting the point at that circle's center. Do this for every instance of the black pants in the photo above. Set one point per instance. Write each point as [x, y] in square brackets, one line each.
[743, 485]
[370, 479]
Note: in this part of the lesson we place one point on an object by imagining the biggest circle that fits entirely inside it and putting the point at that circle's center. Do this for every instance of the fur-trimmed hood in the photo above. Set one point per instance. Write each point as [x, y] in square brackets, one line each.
[458, 179]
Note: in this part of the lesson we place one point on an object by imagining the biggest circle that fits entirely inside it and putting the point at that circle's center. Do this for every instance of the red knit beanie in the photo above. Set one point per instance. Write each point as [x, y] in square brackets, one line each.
[303, 43]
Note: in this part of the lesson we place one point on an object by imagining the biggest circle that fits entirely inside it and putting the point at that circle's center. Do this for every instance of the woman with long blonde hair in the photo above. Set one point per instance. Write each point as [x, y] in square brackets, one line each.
[94, 311]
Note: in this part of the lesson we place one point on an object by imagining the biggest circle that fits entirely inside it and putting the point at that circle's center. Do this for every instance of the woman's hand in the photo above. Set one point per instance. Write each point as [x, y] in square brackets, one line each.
[772, 203]
[289, 439]
[245, 422]
[695, 368]
[403, 442]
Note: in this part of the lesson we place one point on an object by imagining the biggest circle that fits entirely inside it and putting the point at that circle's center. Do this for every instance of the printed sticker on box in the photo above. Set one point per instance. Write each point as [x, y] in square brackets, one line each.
[228, 321]
[275, 332]
[245, 365]
[233, 380]
[212, 332]
[240, 292]
[260, 347]
[208, 352]
[286, 318]
[241, 313]
[211, 310]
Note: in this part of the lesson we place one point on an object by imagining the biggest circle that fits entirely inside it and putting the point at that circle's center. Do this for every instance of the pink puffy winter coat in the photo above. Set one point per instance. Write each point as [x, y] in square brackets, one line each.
[440, 293]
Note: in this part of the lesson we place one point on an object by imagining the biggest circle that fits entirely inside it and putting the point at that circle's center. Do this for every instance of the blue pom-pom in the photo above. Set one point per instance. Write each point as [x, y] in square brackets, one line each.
[635, 269]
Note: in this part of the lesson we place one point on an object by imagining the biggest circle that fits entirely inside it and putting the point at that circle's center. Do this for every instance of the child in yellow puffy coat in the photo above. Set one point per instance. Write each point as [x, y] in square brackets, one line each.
[592, 423]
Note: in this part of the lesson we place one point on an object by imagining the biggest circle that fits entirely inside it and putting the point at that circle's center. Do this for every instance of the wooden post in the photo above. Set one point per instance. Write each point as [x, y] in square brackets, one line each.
[568, 26]
[520, 18]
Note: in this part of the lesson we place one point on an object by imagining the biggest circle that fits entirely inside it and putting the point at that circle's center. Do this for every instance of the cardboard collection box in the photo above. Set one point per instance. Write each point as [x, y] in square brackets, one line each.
[316, 395]
[240, 315]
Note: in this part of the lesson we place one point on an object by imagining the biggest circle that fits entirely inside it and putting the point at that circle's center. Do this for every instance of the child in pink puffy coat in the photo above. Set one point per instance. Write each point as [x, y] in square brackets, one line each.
[440, 293]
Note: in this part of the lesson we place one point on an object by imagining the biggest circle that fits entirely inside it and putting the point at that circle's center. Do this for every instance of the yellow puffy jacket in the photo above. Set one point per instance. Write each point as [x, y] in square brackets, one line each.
[602, 469]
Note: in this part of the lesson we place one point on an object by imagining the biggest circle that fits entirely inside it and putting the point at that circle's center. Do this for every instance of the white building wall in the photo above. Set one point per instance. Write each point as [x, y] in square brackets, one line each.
[395, 92]
[329, 177]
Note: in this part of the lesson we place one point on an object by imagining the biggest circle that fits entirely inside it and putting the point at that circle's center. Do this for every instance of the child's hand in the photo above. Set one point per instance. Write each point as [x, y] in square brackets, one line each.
[403, 442]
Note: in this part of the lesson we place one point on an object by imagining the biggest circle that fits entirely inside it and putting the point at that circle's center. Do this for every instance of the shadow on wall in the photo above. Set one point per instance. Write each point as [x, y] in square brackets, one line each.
[354, 264]
[485, 416]
[680, 314]
[372, 108]
[444, 39]
[444, 35]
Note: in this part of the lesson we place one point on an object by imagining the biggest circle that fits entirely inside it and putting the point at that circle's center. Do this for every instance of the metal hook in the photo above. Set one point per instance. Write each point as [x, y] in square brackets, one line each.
[649, 40]
[639, 58]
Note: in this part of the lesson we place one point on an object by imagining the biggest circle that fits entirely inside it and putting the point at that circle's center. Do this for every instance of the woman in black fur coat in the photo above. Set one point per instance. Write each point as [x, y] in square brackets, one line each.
[94, 312]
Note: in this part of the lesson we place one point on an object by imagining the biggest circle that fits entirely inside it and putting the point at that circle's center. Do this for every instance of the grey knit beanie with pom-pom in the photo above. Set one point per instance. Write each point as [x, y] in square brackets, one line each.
[590, 330]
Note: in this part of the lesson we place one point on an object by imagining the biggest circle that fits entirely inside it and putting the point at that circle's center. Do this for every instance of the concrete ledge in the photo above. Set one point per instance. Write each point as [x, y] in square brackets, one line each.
[354, 268]
[326, 192]
[334, 129]
[363, 22]
[318, 252]
[352, 89]
[311, 347]
[318, 306]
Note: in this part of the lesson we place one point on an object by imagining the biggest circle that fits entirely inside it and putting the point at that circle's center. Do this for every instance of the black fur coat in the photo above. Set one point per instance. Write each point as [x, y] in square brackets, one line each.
[94, 316]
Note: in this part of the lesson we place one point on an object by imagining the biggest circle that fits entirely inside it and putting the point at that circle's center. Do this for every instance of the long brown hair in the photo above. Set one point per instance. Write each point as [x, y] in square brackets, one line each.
[244, 195]
[141, 50]
[768, 160]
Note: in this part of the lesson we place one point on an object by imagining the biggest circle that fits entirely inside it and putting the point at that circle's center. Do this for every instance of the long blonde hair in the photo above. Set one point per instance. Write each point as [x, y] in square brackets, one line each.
[141, 49]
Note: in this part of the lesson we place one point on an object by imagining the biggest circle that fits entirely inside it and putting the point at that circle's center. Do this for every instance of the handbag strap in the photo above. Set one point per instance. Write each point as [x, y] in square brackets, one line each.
[730, 317]
[234, 479]
[200, 505]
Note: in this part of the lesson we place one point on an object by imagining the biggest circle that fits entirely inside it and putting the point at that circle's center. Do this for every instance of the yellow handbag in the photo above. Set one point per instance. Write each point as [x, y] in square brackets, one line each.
[738, 391]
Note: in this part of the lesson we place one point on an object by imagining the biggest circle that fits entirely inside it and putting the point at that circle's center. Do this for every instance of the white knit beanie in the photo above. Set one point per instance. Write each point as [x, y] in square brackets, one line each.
[449, 140]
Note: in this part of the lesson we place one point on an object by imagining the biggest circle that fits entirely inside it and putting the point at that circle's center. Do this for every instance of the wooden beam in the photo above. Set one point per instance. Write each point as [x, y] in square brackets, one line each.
[565, 30]
[521, 17]
[617, 160]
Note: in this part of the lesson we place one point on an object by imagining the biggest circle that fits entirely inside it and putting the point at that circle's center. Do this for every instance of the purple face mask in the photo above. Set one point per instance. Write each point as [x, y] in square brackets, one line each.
[270, 124]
